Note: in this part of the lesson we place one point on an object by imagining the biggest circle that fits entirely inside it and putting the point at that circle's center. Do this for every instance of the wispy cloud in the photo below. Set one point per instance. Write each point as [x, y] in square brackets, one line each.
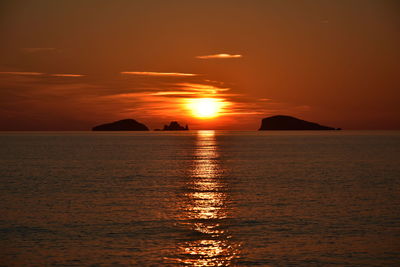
[151, 73]
[178, 90]
[22, 73]
[29, 73]
[201, 90]
[37, 49]
[219, 56]
[67, 75]
[173, 93]
[205, 88]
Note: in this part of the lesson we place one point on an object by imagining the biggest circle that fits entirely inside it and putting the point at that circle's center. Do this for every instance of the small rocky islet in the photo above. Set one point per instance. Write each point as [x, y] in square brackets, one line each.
[175, 126]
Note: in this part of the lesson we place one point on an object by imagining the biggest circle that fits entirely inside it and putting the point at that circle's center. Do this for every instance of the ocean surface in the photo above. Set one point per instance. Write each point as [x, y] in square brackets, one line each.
[200, 198]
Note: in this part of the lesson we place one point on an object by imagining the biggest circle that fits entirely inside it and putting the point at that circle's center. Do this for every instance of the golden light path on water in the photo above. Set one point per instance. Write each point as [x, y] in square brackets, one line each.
[205, 210]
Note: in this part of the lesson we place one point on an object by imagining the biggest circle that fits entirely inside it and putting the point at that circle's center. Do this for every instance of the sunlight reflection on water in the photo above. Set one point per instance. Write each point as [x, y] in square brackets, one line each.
[205, 210]
[200, 199]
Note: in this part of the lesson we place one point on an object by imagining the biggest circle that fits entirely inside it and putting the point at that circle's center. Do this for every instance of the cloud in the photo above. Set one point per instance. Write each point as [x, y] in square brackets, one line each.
[21, 73]
[219, 56]
[177, 90]
[28, 73]
[200, 86]
[173, 93]
[151, 73]
[37, 49]
[67, 75]
[204, 88]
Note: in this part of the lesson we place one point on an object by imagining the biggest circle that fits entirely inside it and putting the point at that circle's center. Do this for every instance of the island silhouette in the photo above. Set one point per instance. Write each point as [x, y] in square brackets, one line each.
[175, 126]
[283, 122]
[121, 125]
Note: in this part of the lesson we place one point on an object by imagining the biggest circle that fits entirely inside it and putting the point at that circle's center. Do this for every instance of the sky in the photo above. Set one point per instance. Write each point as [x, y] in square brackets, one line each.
[70, 65]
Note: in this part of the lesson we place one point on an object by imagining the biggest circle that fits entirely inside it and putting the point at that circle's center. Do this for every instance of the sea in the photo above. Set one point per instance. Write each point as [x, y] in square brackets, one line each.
[200, 198]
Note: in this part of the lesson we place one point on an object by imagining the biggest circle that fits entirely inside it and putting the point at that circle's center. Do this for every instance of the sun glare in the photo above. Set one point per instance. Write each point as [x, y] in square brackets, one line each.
[205, 107]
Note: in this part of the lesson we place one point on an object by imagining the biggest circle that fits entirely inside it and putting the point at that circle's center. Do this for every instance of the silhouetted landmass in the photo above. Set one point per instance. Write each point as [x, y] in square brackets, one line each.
[282, 122]
[175, 126]
[122, 125]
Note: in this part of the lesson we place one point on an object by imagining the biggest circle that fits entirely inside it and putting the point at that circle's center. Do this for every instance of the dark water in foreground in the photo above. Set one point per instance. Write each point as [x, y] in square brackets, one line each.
[200, 198]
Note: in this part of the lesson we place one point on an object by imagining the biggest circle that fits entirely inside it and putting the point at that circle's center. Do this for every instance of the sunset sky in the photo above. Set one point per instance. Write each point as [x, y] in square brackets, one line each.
[70, 65]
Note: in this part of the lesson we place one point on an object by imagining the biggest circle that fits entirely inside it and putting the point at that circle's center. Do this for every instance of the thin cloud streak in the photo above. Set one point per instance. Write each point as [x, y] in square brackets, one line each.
[173, 93]
[205, 88]
[190, 90]
[67, 75]
[22, 73]
[152, 73]
[30, 73]
[219, 56]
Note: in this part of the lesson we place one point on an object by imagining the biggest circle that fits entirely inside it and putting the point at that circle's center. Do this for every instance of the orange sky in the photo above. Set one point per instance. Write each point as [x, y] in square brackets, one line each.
[69, 65]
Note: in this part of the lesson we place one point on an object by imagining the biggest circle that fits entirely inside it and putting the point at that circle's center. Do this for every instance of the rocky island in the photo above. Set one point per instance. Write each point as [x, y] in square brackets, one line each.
[175, 126]
[282, 122]
[121, 125]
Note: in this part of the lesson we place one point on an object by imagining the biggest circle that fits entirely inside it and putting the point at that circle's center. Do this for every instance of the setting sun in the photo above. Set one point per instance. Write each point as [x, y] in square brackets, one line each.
[205, 107]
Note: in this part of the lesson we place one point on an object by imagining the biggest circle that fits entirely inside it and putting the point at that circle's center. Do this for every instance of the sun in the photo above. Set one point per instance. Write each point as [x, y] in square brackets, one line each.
[205, 107]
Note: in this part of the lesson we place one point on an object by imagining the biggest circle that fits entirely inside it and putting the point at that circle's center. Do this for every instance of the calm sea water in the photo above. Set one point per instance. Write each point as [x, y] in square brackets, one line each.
[200, 198]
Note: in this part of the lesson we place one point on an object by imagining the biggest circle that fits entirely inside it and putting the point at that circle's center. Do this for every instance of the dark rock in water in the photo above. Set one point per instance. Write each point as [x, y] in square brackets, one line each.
[175, 126]
[122, 125]
[282, 122]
